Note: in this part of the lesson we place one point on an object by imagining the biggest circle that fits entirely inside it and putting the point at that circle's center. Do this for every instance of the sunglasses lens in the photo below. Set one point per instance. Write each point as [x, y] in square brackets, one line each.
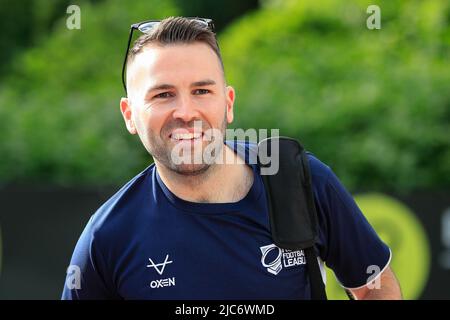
[146, 27]
[202, 22]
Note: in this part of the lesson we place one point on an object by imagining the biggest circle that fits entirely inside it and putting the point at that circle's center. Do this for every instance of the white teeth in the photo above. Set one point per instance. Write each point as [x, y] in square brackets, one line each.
[186, 136]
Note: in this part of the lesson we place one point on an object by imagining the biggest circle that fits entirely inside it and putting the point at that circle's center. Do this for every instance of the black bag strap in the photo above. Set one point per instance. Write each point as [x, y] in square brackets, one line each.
[292, 212]
[315, 276]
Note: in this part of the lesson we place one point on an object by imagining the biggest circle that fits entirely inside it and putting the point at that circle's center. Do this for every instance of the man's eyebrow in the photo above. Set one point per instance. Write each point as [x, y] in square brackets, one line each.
[163, 86]
[166, 86]
[206, 82]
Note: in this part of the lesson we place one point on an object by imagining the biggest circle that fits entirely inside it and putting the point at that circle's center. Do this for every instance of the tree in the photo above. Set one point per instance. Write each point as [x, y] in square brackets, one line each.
[373, 104]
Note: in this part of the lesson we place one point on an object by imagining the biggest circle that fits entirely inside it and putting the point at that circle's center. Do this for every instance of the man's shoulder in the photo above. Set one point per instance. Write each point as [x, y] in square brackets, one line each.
[115, 210]
[319, 170]
[247, 150]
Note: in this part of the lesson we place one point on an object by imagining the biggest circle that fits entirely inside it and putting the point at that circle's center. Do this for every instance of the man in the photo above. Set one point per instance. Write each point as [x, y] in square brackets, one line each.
[200, 229]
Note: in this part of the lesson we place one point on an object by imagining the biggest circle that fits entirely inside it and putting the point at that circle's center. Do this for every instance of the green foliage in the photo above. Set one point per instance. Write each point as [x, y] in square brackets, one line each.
[25, 23]
[221, 11]
[374, 104]
[60, 107]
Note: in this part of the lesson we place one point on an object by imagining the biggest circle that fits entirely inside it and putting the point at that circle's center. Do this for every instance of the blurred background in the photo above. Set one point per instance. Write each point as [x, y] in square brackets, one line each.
[373, 104]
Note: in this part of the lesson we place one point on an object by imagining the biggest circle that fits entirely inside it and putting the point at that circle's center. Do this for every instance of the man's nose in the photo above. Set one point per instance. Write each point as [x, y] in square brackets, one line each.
[186, 109]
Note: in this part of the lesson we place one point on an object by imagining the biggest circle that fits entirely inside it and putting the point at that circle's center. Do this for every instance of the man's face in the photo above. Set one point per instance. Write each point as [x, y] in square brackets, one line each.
[169, 88]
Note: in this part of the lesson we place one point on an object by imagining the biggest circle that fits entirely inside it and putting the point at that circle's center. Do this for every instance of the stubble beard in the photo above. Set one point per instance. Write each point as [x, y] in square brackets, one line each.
[161, 148]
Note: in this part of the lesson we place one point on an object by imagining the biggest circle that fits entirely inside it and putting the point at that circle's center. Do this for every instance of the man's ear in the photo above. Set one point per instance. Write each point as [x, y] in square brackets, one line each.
[125, 108]
[230, 96]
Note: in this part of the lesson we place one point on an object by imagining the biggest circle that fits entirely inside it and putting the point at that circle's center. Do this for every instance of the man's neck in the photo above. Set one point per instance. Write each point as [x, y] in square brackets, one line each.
[221, 183]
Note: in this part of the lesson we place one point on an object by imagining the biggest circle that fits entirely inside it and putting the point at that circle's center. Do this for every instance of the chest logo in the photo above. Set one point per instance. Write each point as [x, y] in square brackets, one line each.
[159, 267]
[275, 259]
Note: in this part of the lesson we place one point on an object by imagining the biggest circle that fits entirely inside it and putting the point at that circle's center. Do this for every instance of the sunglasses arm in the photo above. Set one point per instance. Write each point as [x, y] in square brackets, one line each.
[125, 59]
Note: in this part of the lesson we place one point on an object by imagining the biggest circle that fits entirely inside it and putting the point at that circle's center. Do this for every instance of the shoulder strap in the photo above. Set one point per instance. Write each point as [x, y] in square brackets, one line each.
[285, 171]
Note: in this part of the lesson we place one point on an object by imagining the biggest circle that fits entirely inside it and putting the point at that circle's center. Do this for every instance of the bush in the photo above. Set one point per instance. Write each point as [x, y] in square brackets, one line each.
[374, 104]
[61, 122]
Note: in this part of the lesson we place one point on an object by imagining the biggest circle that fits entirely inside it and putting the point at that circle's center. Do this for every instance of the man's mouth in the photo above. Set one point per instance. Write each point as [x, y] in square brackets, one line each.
[190, 136]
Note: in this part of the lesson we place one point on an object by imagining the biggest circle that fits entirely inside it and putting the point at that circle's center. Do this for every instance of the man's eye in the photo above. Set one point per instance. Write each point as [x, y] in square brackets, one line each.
[163, 95]
[201, 91]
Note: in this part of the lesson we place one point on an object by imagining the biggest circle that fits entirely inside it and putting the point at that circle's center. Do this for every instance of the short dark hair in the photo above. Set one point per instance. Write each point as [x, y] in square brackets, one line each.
[177, 30]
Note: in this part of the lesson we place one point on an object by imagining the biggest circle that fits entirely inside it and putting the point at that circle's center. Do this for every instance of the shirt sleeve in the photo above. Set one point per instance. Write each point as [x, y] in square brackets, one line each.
[347, 242]
[85, 279]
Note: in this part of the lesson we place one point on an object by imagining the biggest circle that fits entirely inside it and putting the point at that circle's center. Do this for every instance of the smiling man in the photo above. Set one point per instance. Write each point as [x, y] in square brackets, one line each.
[199, 228]
[170, 88]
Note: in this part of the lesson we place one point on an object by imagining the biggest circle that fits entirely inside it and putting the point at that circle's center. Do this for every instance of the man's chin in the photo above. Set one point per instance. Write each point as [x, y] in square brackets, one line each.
[191, 169]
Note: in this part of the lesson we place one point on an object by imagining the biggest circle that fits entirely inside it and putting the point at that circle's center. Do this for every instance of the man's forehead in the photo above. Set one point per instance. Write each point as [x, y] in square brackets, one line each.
[162, 63]
[169, 54]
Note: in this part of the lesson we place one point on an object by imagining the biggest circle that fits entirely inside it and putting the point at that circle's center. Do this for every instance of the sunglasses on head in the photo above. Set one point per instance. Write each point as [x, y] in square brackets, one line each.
[146, 27]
